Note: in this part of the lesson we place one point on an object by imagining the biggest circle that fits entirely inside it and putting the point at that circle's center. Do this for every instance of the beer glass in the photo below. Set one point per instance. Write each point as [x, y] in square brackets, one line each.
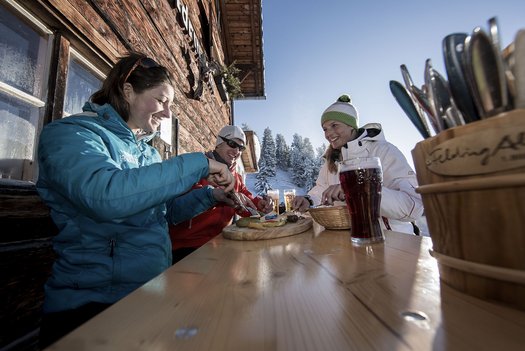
[289, 196]
[361, 179]
[274, 194]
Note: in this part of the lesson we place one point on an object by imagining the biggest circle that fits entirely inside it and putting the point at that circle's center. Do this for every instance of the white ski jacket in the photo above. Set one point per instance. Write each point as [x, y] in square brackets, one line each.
[400, 204]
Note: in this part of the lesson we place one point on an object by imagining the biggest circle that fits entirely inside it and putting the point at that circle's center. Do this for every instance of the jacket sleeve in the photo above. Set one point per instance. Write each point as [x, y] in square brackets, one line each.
[190, 204]
[75, 162]
[399, 199]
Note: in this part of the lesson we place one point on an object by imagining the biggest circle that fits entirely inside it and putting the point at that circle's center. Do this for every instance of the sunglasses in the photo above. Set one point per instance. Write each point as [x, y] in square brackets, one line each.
[233, 144]
[145, 62]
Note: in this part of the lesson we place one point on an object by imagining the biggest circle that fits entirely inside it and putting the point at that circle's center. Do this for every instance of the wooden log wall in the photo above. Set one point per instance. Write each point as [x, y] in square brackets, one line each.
[154, 27]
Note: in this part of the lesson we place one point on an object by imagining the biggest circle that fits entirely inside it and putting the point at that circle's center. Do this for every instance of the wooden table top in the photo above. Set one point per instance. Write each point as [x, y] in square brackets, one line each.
[312, 291]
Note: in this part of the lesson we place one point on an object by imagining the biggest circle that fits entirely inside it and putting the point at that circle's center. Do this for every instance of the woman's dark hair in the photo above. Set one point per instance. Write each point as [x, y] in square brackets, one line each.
[137, 69]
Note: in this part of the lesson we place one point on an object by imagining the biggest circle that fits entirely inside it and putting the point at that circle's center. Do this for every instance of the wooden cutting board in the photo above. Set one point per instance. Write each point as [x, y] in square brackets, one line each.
[237, 233]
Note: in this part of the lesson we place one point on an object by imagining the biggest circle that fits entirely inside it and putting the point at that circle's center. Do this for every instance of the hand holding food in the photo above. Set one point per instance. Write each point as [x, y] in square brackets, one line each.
[245, 201]
[265, 205]
[221, 196]
[300, 203]
[220, 175]
[331, 194]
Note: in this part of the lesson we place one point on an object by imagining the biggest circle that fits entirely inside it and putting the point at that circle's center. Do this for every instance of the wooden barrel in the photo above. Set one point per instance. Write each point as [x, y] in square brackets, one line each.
[472, 181]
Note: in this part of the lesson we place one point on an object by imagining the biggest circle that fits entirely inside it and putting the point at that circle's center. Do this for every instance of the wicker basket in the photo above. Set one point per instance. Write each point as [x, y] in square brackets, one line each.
[331, 217]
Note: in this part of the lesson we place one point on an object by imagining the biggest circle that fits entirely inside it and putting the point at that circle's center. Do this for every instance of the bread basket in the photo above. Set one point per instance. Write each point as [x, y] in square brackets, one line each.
[331, 217]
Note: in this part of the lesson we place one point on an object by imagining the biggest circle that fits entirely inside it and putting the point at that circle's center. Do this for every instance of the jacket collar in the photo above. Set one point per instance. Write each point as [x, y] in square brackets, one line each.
[111, 120]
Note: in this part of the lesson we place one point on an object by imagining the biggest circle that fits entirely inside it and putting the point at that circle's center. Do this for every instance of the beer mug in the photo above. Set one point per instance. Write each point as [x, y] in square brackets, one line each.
[289, 196]
[274, 195]
[361, 179]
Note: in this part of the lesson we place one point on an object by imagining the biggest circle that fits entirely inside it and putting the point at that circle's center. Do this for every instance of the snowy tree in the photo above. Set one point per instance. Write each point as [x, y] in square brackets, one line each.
[310, 164]
[282, 152]
[297, 160]
[245, 127]
[319, 160]
[261, 184]
[268, 153]
[304, 165]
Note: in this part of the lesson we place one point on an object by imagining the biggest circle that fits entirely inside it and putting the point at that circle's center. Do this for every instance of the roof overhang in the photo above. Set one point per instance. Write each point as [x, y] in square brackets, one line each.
[243, 34]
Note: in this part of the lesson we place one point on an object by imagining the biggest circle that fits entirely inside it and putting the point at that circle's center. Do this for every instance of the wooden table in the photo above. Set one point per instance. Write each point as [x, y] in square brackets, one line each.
[312, 291]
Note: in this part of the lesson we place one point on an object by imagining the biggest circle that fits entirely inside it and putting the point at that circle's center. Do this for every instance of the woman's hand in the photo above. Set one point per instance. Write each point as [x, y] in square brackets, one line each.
[220, 175]
[265, 204]
[300, 203]
[332, 193]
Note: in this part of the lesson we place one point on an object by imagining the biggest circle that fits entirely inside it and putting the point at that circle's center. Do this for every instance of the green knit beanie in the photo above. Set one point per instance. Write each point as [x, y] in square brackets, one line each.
[343, 111]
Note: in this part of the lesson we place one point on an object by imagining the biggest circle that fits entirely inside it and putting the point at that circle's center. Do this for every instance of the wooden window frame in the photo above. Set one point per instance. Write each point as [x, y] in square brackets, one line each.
[61, 49]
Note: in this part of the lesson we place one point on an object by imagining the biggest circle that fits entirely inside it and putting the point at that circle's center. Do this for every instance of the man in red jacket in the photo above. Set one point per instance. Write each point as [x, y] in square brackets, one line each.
[188, 236]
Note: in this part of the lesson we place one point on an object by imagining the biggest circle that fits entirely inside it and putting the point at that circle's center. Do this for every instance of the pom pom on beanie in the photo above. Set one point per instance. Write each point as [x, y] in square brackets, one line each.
[343, 111]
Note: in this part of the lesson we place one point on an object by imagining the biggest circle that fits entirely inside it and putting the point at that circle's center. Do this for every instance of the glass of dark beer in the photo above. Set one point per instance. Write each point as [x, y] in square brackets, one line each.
[361, 179]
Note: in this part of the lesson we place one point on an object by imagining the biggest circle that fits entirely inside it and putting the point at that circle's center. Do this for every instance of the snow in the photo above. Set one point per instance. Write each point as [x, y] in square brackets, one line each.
[281, 181]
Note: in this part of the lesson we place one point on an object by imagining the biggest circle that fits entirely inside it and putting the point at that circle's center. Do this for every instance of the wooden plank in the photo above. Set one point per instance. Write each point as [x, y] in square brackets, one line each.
[234, 232]
[80, 17]
[312, 291]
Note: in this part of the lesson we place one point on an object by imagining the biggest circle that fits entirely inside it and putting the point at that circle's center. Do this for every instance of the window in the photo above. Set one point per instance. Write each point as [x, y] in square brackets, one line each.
[83, 79]
[25, 47]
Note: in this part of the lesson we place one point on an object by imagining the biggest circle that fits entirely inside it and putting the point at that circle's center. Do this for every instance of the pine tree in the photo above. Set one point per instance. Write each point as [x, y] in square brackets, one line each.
[319, 160]
[309, 164]
[268, 153]
[296, 161]
[282, 152]
[261, 184]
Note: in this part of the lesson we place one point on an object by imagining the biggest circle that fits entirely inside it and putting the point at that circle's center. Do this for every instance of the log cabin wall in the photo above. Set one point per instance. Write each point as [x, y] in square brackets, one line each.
[189, 37]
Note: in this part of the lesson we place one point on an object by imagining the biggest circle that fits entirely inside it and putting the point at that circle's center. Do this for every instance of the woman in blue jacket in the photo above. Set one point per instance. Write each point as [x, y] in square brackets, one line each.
[111, 196]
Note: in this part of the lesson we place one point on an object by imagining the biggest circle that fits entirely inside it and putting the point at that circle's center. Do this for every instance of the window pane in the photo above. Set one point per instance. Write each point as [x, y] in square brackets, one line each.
[22, 54]
[18, 124]
[24, 61]
[81, 84]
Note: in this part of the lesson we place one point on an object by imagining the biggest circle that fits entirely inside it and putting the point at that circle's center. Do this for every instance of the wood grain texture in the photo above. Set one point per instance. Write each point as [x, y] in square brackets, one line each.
[477, 217]
[311, 291]
[240, 233]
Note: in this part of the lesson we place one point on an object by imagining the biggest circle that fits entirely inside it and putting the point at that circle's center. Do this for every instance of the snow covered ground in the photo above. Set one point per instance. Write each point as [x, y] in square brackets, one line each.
[281, 181]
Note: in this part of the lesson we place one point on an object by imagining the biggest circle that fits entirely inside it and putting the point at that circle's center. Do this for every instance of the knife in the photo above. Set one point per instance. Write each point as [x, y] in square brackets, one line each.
[519, 69]
[423, 101]
[485, 74]
[442, 103]
[412, 90]
[235, 197]
[405, 101]
[453, 54]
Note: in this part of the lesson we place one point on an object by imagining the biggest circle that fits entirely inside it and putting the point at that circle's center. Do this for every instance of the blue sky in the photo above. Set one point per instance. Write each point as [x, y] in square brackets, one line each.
[314, 51]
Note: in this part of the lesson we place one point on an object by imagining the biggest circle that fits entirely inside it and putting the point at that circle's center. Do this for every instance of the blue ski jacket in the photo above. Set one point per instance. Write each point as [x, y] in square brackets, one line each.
[111, 197]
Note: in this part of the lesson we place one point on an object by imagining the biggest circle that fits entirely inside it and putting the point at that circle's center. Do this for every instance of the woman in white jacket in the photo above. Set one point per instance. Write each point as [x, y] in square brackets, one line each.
[400, 204]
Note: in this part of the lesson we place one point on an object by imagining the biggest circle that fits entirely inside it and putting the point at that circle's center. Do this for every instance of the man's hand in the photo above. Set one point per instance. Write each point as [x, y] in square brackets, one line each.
[265, 204]
[220, 176]
[245, 201]
[221, 196]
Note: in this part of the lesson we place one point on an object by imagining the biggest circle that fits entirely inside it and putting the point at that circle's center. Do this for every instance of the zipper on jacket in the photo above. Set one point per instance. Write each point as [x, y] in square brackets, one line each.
[112, 243]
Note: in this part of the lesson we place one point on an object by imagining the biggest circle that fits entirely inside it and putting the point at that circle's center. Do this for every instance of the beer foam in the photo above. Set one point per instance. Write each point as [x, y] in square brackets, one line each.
[359, 163]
